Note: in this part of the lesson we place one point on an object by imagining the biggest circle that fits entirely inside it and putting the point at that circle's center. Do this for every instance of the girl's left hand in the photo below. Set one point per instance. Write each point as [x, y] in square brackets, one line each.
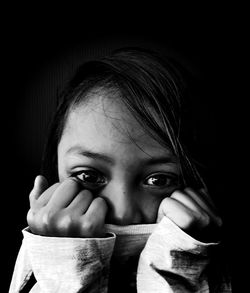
[194, 212]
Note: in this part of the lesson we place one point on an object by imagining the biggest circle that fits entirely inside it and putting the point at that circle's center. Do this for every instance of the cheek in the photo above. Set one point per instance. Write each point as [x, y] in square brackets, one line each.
[61, 167]
[148, 206]
[62, 175]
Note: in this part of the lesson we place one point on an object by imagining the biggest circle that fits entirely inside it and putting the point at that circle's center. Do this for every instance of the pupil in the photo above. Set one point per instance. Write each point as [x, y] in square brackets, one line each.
[159, 180]
[91, 178]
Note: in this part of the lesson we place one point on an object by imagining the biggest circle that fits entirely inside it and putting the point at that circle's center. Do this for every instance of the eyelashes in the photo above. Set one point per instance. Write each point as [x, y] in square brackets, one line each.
[94, 179]
[90, 178]
[161, 180]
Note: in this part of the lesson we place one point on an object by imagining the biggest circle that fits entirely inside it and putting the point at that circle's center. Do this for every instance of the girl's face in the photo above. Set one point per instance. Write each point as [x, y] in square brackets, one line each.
[111, 154]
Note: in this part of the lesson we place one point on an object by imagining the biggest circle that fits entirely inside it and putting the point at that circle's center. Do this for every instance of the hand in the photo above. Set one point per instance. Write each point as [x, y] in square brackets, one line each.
[193, 212]
[65, 210]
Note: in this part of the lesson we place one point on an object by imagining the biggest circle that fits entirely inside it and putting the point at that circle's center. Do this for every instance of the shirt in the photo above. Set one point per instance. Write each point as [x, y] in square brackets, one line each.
[161, 258]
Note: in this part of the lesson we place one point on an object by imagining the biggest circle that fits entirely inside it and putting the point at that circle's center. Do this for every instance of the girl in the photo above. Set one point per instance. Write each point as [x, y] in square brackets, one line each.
[121, 206]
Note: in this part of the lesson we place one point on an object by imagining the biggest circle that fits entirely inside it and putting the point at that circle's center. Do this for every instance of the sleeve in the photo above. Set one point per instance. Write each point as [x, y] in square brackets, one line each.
[173, 261]
[22, 270]
[62, 264]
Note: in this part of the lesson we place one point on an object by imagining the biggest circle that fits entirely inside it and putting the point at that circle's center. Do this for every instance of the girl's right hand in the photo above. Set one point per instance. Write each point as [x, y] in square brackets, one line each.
[65, 210]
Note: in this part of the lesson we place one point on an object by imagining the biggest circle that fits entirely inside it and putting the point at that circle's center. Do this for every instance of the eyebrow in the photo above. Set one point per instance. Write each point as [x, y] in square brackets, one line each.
[106, 158]
[90, 154]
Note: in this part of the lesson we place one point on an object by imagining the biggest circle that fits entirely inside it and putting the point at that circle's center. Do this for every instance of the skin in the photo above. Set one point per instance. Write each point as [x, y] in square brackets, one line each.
[111, 171]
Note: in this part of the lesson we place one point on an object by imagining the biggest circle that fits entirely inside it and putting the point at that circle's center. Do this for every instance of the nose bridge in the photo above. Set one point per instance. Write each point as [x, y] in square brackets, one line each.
[122, 203]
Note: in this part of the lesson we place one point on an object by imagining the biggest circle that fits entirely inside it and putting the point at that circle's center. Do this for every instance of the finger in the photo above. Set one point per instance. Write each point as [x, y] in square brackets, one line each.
[176, 212]
[94, 218]
[204, 204]
[40, 185]
[64, 194]
[81, 202]
[207, 197]
[39, 196]
[186, 200]
[45, 197]
[97, 210]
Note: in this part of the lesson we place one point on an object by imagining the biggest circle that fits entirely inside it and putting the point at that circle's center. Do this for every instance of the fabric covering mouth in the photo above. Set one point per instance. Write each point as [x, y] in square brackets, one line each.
[130, 239]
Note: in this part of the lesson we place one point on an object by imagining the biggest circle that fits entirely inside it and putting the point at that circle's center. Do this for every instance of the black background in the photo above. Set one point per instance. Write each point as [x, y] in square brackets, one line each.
[35, 48]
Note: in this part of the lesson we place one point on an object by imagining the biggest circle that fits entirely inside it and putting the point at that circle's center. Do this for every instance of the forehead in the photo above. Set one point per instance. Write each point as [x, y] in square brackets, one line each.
[106, 115]
[107, 123]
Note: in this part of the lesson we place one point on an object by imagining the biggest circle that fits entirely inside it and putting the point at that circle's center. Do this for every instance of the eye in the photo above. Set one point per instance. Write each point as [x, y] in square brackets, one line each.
[161, 180]
[90, 178]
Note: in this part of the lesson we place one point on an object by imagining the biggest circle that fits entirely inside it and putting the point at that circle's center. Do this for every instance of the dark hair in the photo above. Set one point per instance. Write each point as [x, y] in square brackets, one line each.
[155, 90]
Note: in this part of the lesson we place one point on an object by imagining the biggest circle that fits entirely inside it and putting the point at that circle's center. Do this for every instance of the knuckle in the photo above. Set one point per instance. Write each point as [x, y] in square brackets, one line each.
[34, 222]
[188, 222]
[57, 223]
[176, 193]
[63, 224]
[204, 219]
[30, 217]
[164, 206]
[49, 218]
[88, 227]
